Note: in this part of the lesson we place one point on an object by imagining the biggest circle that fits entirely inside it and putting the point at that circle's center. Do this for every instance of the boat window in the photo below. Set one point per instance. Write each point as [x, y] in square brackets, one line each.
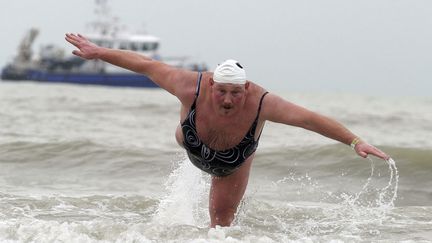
[134, 46]
[145, 47]
[123, 46]
[151, 46]
[155, 46]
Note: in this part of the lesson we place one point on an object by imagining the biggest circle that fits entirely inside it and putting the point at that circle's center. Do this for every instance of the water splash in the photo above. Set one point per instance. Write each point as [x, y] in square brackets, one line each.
[385, 197]
[186, 199]
[317, 210]
[186, 203]
[394, 179]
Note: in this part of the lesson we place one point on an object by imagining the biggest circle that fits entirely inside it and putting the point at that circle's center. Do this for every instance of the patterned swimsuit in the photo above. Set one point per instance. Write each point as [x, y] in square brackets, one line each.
[215, 162]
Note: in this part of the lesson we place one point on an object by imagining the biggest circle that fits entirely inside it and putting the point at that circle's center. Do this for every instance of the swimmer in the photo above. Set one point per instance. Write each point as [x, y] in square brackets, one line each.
[221, 119]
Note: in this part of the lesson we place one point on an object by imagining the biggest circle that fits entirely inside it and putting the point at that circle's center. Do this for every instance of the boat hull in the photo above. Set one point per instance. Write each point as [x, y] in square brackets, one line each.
[106, 79]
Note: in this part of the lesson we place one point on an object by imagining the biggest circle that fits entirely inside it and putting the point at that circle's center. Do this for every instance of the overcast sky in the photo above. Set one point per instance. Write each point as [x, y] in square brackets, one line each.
[365, 46]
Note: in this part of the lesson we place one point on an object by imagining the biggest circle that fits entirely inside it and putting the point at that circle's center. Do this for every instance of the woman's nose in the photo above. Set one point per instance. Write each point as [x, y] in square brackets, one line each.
[227, 98]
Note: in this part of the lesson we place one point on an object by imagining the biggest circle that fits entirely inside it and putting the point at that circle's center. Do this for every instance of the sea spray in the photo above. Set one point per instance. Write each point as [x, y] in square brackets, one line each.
[376, 204]
[343, 213]
[186, 199]
[388, 190]
[385, 197]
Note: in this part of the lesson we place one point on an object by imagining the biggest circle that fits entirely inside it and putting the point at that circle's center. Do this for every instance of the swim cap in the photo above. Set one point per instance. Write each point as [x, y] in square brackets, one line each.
[229, 72]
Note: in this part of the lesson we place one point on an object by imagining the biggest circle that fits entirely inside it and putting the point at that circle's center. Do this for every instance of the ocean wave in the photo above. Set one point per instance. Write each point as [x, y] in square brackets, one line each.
[66, 208]
[412, 162]
[74, 151]
[334, 155]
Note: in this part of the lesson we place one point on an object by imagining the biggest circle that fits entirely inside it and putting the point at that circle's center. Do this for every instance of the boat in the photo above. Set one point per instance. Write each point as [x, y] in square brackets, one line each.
[52, 65]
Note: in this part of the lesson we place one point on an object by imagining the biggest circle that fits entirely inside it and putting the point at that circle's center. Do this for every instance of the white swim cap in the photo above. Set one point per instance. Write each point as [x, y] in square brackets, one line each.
[229, 72]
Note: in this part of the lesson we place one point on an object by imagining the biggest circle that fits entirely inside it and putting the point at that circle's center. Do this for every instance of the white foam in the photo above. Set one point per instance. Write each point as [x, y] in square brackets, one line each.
[186, 201]
[390, 188]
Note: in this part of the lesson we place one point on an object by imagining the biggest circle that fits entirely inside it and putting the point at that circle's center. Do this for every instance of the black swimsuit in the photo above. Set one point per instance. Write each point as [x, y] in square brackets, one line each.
[218, 163]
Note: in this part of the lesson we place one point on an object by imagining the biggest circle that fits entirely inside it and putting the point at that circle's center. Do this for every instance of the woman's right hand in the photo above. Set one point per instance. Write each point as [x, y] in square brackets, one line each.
[86, 48]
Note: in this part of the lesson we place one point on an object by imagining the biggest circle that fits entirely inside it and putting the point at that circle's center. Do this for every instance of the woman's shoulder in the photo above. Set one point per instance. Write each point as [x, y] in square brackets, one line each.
[187, 86]
[255, 90]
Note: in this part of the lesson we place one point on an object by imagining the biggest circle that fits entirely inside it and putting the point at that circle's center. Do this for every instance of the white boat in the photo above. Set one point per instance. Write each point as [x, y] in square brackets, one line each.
[52, 65]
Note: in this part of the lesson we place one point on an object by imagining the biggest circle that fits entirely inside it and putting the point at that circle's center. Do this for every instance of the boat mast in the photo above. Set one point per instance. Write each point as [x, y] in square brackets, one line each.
[105, 23]
[25, 51]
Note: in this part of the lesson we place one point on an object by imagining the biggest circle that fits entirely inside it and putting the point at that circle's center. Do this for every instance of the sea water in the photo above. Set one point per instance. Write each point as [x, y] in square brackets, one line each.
[100, 164]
